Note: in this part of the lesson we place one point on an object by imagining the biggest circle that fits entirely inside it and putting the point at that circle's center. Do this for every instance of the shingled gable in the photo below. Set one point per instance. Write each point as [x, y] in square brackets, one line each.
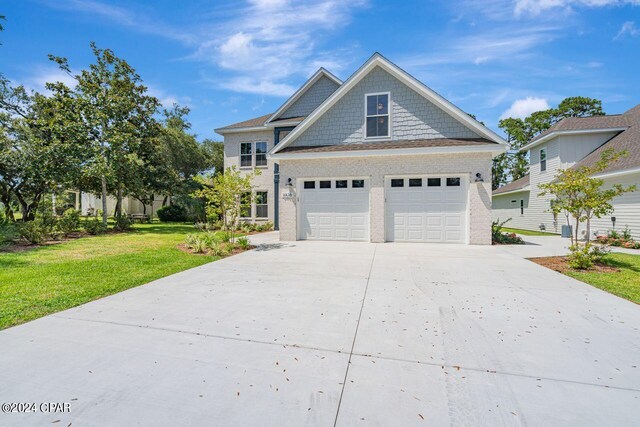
[378, 60]
[300, 93]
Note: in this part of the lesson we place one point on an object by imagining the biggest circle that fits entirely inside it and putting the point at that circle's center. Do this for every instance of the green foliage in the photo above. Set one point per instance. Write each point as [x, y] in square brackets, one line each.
[498, 237]
[34, 232]
[582, 257]
[123, 223]
[580, 196]
[227, 196]
[215, 155]
[114, 118]
[623, 239]
[8, 231]
[69, 222]
[243, 243]
[250, 227]
[94, 226]
[172, 213]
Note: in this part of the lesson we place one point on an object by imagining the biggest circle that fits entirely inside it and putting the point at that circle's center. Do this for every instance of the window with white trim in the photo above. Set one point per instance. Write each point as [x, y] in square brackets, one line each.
[262, 208]
[377, 115]
[245, 205]
[246, 155]
[543, 160]
[261, 154]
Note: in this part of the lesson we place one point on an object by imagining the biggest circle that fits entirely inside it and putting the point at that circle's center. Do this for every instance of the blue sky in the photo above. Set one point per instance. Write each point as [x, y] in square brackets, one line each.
[233, 60]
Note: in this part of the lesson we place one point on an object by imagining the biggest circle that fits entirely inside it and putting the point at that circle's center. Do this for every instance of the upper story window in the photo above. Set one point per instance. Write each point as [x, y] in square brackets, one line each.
[261, 154]
[377, 115]
[246, 154]
[251, 150]
[543, 160]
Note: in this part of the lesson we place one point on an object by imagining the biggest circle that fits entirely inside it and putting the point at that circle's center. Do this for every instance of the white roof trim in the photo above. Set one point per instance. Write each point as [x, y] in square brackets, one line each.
[494, 150]
[617, 173]
[222, 131]
[506, 193]
[283, 123]
[429, 94]
[556, 133]
[308, 84]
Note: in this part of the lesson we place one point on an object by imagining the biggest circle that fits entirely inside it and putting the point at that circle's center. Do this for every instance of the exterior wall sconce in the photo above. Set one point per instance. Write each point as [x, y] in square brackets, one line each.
[289, 182]
[613, 222]
[479, 177]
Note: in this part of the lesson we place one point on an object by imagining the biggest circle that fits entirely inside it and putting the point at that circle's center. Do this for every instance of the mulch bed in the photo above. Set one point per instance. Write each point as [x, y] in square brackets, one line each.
[561, 265]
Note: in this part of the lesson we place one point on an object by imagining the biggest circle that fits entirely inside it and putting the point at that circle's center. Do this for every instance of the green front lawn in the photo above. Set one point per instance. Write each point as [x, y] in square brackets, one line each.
[624, 283]
[527, 232]
[52, 278]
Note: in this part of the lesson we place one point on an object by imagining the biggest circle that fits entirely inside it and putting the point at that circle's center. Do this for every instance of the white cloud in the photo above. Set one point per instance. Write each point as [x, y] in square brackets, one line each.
[502, 44]
[536, 7]
[268, 42]
[50, 75]
[628, 29]
[522, 108]
[124, 16]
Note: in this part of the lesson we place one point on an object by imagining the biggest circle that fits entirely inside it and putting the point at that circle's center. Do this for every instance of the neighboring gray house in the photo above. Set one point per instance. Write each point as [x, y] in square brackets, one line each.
[379, 157]
[572, 142]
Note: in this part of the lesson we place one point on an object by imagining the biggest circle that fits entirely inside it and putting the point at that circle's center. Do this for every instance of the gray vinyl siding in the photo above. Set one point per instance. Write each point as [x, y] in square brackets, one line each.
[412, 116]
[508, 206]
[627, 208]
[313, 97]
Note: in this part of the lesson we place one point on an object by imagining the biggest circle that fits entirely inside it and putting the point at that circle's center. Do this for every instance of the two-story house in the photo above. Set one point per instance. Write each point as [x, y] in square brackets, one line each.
[378, 157]
[573, 142]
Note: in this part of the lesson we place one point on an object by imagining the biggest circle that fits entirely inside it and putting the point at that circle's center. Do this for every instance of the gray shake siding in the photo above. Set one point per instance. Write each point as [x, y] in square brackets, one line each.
[412, 116]
[313, 97]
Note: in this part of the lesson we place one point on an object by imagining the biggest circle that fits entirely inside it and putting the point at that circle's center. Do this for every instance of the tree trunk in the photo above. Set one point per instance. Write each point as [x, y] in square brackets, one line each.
[164, 201]
[104, 200]
[588, 229]
[576, 230]
[119, 202]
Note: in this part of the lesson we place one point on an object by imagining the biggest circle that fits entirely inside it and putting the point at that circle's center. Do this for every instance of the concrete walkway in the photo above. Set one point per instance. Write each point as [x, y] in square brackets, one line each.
[321, 333]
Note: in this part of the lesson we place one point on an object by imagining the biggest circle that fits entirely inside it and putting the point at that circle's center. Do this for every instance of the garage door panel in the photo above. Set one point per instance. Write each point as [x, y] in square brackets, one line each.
[334, 213]
[426, 214]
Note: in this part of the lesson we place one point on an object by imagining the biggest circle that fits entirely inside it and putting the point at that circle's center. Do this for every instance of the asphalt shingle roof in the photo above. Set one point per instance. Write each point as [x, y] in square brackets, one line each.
[518, 184]
[627, 140]
[389, 145]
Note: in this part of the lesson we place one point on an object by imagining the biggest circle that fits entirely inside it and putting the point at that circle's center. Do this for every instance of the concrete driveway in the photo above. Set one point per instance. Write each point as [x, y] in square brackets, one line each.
[320, 333]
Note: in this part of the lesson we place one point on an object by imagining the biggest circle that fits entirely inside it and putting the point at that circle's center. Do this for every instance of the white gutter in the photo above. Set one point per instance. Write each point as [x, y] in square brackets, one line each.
[222, 131]
[495, 150]
[569, 132]
[617, 173]
[527, 188]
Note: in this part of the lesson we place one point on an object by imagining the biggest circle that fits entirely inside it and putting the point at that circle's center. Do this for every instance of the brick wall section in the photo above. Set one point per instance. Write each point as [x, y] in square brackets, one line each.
[412, 116]
[376, 168]
[264, 182]
[313, 97]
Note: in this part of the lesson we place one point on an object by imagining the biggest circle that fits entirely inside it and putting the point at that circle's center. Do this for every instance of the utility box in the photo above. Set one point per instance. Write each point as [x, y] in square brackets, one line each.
[566, 231]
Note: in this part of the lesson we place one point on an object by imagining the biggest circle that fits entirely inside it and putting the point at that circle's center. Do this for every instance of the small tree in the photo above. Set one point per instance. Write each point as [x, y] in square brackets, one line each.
[580, 196]
[227, 196]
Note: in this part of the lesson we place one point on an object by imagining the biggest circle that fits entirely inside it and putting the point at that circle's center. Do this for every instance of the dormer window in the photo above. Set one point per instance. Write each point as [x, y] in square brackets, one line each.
[377, 115]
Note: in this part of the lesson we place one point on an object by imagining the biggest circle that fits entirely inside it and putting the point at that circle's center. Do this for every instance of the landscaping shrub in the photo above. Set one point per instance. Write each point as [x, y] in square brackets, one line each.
[69, 222]
[622, 239]
[243, 243]
[172, 213]
[267, 226]
[584, 256]
[123, 223]
[8, 231]
[94, 226]
[34, 232]
[220, 249]
[500, 238]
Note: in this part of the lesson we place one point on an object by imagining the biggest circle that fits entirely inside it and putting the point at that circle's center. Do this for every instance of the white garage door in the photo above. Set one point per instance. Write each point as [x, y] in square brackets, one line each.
[426, 209]
[334, 209]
